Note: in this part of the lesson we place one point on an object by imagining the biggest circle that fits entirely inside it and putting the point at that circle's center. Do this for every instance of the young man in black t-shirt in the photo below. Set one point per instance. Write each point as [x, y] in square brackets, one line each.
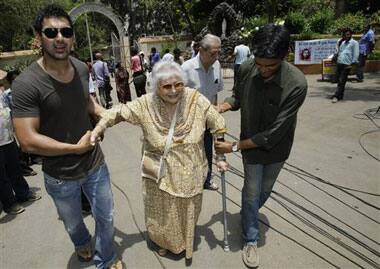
[52, 110]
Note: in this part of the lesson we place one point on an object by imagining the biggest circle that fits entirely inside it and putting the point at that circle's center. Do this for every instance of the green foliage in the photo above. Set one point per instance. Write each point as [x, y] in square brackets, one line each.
[295, 22]
[21, 64]
[354, 21]
[375, 55]
[321, 21]
[251, 25]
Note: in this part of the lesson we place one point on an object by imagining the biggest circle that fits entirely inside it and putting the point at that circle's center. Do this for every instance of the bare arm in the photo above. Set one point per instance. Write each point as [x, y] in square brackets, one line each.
[34, 142]
[94, 109]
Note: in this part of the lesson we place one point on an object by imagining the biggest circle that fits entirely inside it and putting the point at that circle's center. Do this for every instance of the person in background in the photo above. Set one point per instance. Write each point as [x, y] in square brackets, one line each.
[154, 57]
[168, 56]
[102, 78]
[138, 74]
[366, 45]
[25, 158]
[122, 84]
[205, 74]
[348, 53]
[178, 57]
[172, 204]
[13, 187]
[241, 53]
[269, 92]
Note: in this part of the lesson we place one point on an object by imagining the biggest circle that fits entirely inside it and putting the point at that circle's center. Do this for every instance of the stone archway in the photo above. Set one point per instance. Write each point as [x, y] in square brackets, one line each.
[108, 12]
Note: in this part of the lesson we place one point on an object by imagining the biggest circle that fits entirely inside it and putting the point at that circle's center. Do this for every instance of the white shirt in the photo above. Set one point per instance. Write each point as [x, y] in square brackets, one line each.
[207, 83]
[6, 127]
[168, 57]
[241, 53]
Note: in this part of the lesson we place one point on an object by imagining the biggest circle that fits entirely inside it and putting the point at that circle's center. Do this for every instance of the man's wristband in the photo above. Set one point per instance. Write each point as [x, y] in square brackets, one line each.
[235, 147]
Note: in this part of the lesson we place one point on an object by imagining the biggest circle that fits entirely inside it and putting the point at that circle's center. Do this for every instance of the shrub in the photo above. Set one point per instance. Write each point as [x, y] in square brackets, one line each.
[354, 21]
[375, 55]
[252, 25]
[295, 22]
[321, 21]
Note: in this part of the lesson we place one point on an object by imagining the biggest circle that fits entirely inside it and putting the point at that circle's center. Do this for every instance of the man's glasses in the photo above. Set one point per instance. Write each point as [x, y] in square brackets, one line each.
[178, 86]
[66, 32]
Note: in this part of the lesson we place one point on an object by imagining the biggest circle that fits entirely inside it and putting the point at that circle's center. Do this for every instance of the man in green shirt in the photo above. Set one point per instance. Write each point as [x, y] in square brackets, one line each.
[268, 91]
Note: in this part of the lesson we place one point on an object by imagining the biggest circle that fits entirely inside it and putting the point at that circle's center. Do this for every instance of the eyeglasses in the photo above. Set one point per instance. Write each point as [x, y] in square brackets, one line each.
[178, 86]
[66, 32]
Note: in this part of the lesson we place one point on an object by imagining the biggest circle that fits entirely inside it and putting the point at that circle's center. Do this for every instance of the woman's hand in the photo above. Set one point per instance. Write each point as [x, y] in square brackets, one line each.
[222, 166]
[96, 134]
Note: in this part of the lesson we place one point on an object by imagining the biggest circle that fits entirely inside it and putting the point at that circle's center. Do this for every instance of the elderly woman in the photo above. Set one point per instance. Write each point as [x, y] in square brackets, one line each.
[172, 200]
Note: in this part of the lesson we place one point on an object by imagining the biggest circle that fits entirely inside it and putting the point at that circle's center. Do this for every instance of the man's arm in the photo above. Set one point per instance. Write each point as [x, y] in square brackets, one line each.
[94, 109]
[31, 141]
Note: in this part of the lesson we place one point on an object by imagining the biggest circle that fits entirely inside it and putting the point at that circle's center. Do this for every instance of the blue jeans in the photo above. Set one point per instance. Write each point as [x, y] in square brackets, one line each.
[258, 183]
[360, 68]
[66, 195]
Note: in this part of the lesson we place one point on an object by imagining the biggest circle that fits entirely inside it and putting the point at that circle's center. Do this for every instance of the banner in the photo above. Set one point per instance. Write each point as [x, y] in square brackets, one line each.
[313, 51]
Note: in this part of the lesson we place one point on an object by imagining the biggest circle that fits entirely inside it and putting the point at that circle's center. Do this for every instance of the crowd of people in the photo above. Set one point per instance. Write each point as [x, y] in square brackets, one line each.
[57, 115]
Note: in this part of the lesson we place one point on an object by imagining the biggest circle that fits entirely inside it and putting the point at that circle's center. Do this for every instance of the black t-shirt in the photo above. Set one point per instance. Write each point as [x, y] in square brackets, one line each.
[63, 112]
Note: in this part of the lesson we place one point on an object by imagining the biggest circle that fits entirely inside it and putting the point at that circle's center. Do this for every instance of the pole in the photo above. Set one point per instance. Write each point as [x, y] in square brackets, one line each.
[226, 246]
[88, 37]
[222, 157]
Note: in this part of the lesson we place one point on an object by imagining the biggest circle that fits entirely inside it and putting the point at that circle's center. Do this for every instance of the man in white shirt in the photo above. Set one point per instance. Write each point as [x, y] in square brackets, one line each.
[241, 53]
[205, 74]
[168, 56]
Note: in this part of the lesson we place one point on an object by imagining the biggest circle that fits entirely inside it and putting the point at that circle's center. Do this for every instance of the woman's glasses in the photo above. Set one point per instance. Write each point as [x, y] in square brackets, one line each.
[66, 32]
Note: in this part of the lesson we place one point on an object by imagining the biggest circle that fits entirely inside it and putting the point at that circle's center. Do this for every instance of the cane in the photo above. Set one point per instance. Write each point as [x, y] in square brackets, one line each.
[226, 247]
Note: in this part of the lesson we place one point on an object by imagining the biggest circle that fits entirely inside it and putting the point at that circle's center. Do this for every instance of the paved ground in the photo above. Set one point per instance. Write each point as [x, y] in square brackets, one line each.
[307, 223]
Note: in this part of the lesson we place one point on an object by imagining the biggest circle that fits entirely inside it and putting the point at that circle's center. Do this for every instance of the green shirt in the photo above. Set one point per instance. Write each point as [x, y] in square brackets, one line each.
[268, 110]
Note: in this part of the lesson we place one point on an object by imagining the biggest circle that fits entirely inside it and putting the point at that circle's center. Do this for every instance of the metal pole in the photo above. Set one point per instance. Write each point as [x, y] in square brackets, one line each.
[88, 36]
[226, 246]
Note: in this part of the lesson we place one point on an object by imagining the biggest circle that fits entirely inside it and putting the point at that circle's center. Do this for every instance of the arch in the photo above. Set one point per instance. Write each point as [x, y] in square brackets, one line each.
[108, 12]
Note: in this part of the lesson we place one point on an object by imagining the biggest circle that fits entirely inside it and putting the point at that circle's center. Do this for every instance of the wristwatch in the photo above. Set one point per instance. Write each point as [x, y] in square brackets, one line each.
[235, 147]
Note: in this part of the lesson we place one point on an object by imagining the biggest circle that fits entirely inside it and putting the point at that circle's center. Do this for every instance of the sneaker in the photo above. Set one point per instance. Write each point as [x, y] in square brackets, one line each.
[85, 253]
[31, 197]
[334, 100]
[250, 255]
[117, 264]
[212, 186]
[15, 209]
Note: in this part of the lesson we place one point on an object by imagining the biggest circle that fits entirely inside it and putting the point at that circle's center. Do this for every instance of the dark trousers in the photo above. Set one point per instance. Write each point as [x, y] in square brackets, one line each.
[361, 65]
[208, 142]
[105, 96]
[139, 80]
[13, 185]
[342, 71]
[236, 69]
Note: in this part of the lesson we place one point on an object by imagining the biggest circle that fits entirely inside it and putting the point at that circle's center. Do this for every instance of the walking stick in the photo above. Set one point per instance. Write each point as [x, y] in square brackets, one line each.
[226, 247]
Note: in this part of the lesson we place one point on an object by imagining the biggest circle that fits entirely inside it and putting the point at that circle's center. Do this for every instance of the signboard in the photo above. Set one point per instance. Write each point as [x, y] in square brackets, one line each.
[313, 51]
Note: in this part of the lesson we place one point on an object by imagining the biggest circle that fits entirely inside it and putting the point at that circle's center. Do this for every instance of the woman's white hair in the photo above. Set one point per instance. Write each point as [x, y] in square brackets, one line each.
[164, 70]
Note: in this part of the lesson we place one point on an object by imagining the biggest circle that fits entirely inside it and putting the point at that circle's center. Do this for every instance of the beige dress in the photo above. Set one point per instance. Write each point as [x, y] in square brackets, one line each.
[172, 205]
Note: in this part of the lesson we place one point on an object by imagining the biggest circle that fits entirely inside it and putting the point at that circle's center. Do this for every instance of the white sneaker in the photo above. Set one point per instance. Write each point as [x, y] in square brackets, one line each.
[250, 255]
[334, 100]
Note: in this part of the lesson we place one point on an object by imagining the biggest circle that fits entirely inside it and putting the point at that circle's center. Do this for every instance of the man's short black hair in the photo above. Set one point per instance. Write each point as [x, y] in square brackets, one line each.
[271, 41]
[49, 11]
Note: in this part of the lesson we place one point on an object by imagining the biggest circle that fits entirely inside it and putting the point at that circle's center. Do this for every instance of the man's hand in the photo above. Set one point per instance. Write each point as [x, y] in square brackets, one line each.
[221, 108]
[96, 135]
[223, 147]
[222, 166]
[84, 144]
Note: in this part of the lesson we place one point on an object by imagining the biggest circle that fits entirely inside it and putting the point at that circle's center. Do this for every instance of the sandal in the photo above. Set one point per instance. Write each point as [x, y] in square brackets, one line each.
[162, 252]
[84, 254]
